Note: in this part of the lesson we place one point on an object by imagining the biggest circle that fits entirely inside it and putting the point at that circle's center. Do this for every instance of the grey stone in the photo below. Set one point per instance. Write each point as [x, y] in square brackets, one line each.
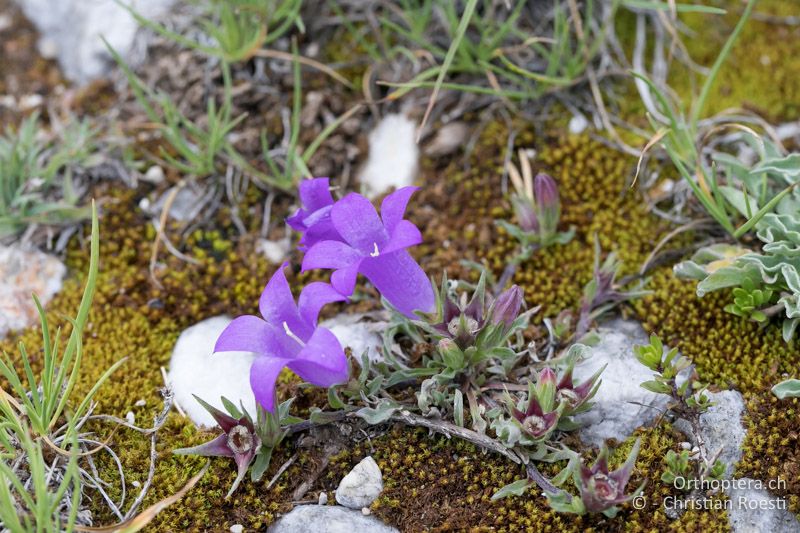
[621, 404]
[361, 486]
[24, 272]
[721, 427]
[184, 205]
[328, 519]
[754, 509]
[73, 30]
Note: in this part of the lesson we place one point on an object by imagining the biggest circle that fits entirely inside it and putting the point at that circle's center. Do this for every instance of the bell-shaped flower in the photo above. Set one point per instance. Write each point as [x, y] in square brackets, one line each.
[287, 336]
[375, 247]
[602, 490]
[313, 219]
[239, 441]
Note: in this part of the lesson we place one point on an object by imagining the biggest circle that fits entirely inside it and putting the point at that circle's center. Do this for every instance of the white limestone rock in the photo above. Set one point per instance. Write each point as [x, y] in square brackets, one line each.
[73, 31]
[393, 155]
[721, 427]
[24, 272]
[195, 369]
[755, 509]
[328, 519]
[357, 334]
[620, 403]
[361, 486]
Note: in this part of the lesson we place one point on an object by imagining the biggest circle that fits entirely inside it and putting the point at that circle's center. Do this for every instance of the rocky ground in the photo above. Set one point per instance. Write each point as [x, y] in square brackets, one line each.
[180, 257]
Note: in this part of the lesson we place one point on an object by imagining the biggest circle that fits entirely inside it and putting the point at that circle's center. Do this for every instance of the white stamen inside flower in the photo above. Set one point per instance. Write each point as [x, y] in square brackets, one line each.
[375, 253]
[240, 440]
[291, 335]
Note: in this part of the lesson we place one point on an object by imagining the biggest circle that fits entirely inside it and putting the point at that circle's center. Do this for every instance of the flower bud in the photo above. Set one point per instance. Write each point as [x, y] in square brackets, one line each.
[507, 306]
[526, 214]
[547, 202]
[451, 354]
[546, 389]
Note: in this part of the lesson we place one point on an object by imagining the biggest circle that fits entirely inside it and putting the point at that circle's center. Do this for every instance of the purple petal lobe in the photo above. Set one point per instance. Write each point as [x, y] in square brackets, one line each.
[358, 223]
[330, 254]
[246, 334]
[401, 281]
[315, 193]
[405, 234]
[277, 305]
[344, 279]
[263, 373]
[322, 361]
[314, 297]
[393, 207]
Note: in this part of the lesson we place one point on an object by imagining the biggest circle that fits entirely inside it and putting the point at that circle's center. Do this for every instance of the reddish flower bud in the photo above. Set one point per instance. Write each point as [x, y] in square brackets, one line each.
[507, 306]
[548, 205]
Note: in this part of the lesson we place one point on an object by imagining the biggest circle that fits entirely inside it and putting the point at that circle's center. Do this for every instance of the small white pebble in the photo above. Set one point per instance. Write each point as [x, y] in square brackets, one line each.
[365, 511]
[323, 498]
[154, 174]
[765, 60]
[136, 484]
[577, 124]
[30, 101]
[130, 417]
[140, 403]
[686, 445]
[695, 450]
[237, 528]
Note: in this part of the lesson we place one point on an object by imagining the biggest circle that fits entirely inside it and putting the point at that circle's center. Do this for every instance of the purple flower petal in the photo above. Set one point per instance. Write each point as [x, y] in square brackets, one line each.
[330, 254]
[314, 297]
[344, 279]
[358, 223]
[393, 207]
[405, 234]
[246, 334]
[401, 281]
[315, 193]
[277, 305]
[322, 361]
[263, 373]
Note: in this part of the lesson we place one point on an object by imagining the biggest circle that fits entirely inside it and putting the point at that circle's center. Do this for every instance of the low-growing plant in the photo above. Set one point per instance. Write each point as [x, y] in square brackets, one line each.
[471, 355]
[36, 174]
[724, 195]
[246, 439]
[675, 377]
[238, 28]
[765, 284]
[40, 494]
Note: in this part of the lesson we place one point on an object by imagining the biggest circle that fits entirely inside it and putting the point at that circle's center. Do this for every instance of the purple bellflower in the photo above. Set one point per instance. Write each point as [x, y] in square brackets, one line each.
[313, 219]
[287, 336]
[375, 247]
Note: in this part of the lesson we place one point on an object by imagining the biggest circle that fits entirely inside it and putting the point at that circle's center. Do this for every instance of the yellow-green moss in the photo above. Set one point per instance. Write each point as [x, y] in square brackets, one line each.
[728, 350]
